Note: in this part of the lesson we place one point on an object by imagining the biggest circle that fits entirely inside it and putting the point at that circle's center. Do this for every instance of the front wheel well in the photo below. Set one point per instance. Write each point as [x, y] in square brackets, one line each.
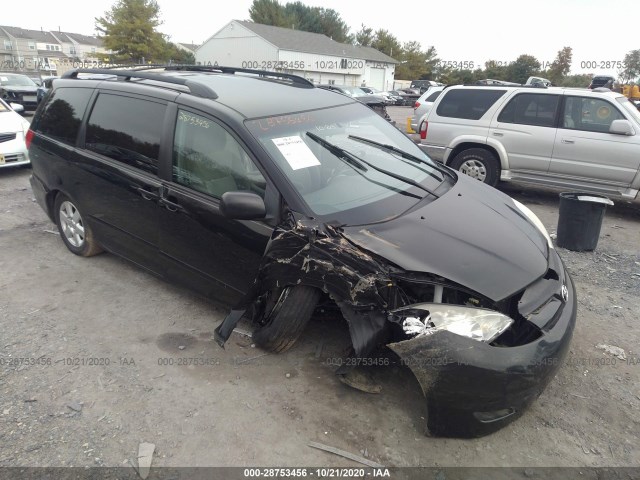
[467, 145]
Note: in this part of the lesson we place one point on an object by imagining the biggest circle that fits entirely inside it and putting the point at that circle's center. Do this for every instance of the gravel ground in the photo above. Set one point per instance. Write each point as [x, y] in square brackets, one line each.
[97, 357]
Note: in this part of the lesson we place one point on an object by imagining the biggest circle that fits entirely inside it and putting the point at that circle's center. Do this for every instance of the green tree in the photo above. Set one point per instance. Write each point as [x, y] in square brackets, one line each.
[631, 70]
[386, 43]
[268, 12]
[561, 66]
[364, 37]
[415, 63]
[524, 67]
[299, 16]
[580, 81]
[129, 30]
[494, 70]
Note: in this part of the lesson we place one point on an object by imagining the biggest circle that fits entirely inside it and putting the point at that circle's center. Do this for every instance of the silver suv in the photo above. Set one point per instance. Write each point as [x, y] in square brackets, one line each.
[569, 138]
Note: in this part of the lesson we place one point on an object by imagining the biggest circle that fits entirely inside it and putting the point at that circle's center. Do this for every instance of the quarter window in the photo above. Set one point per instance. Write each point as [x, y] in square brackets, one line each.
[589, 114]
[127, 130]
[63, 114]
[208, 159]
[468, 104]
[531, 109]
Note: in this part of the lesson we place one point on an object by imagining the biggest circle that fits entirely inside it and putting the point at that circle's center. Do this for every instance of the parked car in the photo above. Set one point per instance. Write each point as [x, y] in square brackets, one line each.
[581, 139]
[423, 105]
[397, 97]
[604, 81]
[13, 130]
[423, 85]
[44, 87]
[379, 93]
[258, 189]
[375, 102]
[16, 88]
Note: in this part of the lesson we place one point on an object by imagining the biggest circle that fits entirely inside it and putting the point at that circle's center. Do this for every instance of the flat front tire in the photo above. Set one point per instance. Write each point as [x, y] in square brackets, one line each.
[74, 231]
[478, 163]
[286, 318]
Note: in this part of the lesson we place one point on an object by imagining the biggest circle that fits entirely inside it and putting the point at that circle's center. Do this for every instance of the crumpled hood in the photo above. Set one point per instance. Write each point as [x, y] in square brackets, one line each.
[473, 235]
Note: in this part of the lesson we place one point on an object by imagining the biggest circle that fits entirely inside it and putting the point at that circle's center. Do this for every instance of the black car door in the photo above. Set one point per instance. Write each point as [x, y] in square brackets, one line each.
[215, 255]
[122, 149]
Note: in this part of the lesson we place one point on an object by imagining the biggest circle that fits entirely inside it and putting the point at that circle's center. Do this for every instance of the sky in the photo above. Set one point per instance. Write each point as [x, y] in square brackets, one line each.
[599, 32]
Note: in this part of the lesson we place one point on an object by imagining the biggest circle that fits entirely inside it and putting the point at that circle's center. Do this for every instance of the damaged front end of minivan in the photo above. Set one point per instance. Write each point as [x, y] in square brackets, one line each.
[479, 361]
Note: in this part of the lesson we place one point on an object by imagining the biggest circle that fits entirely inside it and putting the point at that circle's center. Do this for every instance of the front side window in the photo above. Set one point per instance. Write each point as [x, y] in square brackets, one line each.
[589, 114]
[63, 113]
[469, 104]
[127, 130]
[208, 159]
[531, 109]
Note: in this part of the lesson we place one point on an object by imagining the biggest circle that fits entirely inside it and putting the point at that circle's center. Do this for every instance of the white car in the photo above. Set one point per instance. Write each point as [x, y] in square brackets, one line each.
[423, 105]
[13, 130]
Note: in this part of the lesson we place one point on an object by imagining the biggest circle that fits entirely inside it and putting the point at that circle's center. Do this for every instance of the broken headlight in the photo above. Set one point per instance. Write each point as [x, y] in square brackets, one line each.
[477, 323]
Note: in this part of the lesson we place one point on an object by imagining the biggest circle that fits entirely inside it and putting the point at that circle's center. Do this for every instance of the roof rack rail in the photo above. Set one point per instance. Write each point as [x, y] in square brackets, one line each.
[194, 87]
[502, 86]
[296, 79]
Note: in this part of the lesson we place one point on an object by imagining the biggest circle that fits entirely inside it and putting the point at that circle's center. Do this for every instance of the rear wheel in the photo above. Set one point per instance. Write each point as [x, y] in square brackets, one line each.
[286, 316]
[478, 163]
[75, 233]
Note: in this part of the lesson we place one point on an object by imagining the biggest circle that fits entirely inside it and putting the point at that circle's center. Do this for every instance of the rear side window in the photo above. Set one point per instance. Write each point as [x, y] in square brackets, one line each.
[127, 130]
[433, 96]
[62, 115]
[469, 104]
[531, 109]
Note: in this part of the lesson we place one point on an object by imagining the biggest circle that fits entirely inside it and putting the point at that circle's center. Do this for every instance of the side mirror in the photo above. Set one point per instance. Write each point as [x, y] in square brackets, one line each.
[621, 127]
[16, 107]
[242, 206]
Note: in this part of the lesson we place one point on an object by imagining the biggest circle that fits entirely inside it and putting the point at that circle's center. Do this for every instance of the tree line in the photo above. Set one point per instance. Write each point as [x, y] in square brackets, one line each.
[129, 30]
[418, 63]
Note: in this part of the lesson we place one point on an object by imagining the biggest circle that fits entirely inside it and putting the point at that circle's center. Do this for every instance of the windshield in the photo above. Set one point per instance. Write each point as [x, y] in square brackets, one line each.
[16, 80]
[330, 160]
[630, 108]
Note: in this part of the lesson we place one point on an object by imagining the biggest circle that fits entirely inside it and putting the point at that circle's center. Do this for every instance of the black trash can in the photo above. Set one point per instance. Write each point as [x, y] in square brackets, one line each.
[580, 220]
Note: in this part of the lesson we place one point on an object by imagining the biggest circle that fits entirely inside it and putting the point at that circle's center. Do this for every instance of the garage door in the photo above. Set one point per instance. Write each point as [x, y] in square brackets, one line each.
[376, 78]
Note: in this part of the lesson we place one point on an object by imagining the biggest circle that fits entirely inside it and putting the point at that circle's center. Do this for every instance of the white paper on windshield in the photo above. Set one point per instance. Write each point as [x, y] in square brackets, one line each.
[4, 79]
[296, 152]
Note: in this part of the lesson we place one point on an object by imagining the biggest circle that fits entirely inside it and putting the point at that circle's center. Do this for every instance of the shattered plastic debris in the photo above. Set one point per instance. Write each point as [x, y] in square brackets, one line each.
[613, 350]
[414, 326]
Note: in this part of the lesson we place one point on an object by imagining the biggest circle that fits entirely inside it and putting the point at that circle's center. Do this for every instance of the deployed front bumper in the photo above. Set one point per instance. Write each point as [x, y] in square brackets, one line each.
[473, 388]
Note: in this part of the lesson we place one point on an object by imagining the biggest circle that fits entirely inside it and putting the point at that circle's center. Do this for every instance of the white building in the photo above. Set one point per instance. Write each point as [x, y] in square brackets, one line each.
[311, 55]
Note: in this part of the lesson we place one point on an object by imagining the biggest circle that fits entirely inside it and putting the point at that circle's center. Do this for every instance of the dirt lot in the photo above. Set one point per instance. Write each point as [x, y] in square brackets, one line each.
[91, 348]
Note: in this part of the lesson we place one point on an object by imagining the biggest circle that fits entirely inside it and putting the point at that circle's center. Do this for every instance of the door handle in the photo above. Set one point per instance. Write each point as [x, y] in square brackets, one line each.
[564, 140]
[498, 134]
[146, 194]
[171, 206]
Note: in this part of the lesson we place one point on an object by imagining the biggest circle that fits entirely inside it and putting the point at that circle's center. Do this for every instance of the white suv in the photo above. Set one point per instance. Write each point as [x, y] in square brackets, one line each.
[570, 138]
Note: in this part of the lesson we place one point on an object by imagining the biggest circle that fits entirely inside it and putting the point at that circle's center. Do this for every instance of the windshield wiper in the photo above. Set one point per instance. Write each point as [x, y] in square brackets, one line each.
[338, 152]
[408, 156]
[342, 153]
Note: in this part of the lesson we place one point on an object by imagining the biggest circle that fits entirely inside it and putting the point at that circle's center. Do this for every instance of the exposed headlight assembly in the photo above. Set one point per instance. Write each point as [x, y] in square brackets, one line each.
[533, 218]
[476, 323]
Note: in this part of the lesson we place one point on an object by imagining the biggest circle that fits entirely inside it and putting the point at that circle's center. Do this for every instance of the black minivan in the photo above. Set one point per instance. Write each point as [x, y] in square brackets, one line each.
[260, 190]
